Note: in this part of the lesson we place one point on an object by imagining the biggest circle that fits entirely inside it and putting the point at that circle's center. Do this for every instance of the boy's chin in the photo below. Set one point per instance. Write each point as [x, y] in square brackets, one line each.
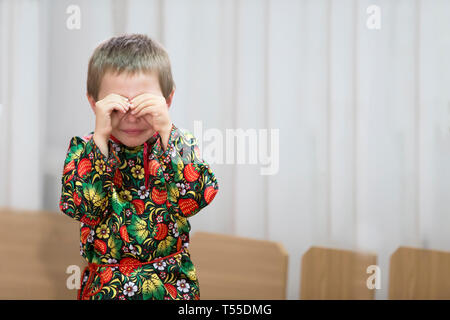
[132, 141]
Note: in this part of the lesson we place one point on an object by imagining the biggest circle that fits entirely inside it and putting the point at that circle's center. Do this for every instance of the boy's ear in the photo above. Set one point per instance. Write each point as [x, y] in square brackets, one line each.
[91, 101]
[169, 99]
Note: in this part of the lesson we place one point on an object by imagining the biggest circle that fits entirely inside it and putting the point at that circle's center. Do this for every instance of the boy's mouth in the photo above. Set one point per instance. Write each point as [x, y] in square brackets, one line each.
[132, 132]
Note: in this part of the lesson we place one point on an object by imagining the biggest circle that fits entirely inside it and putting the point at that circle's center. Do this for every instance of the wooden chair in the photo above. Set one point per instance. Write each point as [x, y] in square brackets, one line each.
[230, 267]
[334, 274]
[36, 248]
[419, 274]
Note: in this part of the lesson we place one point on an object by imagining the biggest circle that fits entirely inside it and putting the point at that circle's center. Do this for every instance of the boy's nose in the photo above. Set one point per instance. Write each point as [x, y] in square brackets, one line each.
[130, 116]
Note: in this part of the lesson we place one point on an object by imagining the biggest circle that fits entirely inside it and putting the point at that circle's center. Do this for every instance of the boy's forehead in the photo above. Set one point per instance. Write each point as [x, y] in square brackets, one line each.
[130, 85]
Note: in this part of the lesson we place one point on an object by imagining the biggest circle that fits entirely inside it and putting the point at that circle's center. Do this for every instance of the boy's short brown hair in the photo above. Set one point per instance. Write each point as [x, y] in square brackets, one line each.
[131, 53]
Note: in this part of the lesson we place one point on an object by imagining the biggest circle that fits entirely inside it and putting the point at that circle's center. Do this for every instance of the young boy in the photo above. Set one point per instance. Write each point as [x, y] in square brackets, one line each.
[134, 181]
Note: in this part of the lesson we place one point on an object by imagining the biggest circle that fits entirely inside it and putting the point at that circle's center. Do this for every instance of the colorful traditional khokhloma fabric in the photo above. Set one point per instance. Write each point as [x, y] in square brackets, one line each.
[134, 207]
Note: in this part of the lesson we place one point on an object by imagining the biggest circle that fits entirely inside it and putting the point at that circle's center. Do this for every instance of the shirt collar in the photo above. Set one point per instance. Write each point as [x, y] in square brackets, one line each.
[135, 149]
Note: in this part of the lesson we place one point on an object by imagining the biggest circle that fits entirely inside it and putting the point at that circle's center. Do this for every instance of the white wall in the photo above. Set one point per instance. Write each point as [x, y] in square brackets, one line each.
[363, 115]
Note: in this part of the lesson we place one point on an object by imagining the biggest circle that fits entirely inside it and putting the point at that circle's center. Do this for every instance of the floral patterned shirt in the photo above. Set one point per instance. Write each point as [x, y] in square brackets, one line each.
[134, 205]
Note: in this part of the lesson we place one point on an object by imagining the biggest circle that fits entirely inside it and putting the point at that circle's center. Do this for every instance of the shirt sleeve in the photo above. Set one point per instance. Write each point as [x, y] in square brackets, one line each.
[191, 184]
[87, 181]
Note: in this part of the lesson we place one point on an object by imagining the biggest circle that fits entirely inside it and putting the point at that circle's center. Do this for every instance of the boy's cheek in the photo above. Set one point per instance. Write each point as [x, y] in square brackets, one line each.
[114, 119]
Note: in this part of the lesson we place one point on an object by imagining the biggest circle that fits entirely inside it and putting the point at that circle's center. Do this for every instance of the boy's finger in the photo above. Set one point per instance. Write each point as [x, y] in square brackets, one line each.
[139, 98]
[124, 100]
[143, 97]
[143, 105]
[119, 106]
[135, 108]
[124, 105]
[117, 97]
[144, 112]
[136, 100]
[121, 103]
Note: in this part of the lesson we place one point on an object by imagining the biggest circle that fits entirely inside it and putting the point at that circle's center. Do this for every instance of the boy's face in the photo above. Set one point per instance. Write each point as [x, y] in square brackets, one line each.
[129, 86]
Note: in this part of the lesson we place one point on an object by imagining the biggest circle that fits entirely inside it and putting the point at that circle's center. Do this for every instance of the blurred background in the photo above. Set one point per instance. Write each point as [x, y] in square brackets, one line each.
[358, 91]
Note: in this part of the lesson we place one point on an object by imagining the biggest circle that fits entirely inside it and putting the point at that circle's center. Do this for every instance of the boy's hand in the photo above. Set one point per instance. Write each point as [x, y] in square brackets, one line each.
[103, 110]
[155, 110]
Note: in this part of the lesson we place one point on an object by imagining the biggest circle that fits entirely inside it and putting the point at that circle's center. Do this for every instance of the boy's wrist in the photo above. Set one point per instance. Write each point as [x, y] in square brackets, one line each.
[111, 159]
[100, 137]
[165, 134]
[102, 143]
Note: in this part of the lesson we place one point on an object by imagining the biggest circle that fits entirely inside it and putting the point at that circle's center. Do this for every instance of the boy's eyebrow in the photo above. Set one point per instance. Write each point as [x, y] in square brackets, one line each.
[151, 92]
[131, 98]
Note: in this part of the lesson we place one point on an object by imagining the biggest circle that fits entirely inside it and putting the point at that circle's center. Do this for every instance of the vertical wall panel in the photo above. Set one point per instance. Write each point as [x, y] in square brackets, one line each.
[363, 115]
[69, 53]
[250, 87]
[342, 116]
[6, 33]
[144, 16]
[288, 190]
[434, 105]
[24, 106]
[199, 36]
